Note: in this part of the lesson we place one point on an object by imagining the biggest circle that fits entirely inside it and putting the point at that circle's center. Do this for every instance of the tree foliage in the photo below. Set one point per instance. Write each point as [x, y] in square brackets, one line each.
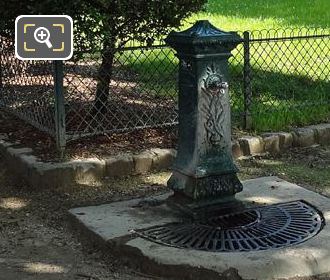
[103, 25]
[105, 21]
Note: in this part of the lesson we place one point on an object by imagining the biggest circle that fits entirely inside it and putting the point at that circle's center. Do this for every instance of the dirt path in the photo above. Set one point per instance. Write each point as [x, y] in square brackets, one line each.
[37, 243]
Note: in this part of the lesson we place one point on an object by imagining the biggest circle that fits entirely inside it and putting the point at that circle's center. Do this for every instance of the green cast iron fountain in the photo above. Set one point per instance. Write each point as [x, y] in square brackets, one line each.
[204, 173]
[204, 178]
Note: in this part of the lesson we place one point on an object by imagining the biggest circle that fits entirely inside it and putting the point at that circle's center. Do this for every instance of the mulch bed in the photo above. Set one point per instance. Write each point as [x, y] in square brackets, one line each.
[100, 146]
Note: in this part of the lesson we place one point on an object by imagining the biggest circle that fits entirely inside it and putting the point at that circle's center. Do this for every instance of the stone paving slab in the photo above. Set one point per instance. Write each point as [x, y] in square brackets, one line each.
[111, 225]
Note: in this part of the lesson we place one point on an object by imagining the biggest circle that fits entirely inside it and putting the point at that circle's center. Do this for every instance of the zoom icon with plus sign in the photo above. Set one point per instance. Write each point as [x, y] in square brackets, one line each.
[44, 37]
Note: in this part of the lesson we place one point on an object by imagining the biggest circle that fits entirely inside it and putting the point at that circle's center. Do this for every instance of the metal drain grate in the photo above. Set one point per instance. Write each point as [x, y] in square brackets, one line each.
[260, 228]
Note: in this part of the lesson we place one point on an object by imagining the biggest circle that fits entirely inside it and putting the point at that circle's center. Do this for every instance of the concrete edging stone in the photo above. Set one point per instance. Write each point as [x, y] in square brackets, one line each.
[41, 174]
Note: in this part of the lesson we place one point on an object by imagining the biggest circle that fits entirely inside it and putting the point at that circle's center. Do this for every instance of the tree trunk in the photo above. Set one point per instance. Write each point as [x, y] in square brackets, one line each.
[103, 80]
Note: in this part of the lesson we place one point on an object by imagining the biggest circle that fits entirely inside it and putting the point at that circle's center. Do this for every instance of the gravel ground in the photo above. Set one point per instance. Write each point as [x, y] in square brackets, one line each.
[36, 241]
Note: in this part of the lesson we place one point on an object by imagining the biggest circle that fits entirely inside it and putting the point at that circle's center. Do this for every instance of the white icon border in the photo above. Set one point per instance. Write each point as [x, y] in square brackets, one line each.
[44, 58]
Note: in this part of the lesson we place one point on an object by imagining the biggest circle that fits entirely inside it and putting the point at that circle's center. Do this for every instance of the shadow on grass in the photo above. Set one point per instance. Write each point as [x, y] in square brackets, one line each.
[279, 99]
[147, 78]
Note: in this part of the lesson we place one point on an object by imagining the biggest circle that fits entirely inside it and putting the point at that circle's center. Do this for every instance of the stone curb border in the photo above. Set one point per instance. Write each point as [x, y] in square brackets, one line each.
[40, 174]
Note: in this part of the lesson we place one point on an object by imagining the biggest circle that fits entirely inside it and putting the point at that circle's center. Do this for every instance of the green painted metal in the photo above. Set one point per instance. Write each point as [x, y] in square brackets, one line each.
[59, 107]
[204, 169]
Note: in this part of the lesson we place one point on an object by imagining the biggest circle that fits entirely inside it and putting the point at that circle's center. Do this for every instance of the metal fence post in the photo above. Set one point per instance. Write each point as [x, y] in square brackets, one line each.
[1, 85]
[59, 107]
[247, 88]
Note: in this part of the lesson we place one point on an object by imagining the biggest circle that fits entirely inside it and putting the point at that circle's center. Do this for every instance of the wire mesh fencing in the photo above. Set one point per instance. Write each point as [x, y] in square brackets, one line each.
[142, 92]
[27, 88]
[278, 78]
[287, 77]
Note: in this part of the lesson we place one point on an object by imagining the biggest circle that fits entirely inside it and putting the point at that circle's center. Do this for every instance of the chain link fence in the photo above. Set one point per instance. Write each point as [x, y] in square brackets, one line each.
[278, 78]
[142, 93]
[287, 77]
[27, 88]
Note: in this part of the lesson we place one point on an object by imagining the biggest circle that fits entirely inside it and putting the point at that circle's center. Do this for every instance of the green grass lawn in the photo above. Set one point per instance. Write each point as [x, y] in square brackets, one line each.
[291, 80]
[266, 14]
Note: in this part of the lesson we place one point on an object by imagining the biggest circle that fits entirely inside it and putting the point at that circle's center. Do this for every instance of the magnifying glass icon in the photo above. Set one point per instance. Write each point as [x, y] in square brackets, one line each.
[41, 35]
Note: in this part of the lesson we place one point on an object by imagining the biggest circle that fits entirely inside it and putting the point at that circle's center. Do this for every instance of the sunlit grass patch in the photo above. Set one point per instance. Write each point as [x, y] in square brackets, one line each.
[266, 14]
[290, 78]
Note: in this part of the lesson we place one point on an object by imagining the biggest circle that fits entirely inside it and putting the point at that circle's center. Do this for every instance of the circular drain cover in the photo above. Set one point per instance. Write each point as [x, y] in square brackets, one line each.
[260, 228]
